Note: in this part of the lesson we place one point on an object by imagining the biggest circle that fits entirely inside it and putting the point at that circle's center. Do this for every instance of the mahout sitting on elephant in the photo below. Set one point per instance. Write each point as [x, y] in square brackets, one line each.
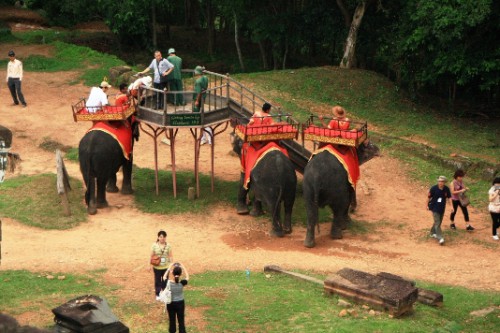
[105, 148]
[272, 180]
[326, 182]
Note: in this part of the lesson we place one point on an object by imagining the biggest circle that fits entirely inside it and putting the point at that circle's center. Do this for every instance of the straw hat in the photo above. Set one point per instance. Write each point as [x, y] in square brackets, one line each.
[339, 112]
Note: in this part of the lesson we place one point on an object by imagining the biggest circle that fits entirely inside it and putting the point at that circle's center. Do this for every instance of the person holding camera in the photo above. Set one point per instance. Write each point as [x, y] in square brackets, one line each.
[494, 206]
[176, 309]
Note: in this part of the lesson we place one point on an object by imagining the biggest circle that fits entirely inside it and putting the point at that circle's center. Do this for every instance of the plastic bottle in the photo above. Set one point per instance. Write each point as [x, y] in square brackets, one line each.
[247, 273]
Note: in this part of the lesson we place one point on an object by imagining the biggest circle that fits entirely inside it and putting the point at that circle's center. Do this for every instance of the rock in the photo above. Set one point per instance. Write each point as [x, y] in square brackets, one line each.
[61, 277]
[353, 312]
[366, 307]
[50, 277]
[372, 312]
[484, 312]
[344, 303]
[116, 72]
[343, 313]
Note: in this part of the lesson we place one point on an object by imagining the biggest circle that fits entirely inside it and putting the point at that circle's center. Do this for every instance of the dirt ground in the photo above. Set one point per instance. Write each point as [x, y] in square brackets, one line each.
[119, 238]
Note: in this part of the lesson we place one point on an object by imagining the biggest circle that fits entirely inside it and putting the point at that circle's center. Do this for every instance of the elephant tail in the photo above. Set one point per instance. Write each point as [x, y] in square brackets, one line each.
[277, 204]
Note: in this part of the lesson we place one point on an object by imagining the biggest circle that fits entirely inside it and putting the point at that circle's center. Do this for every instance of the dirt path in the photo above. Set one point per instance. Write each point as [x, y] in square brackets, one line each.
[119, 238]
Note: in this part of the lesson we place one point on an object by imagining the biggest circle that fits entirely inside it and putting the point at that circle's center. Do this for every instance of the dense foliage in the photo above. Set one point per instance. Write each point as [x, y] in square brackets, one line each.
[445, 47]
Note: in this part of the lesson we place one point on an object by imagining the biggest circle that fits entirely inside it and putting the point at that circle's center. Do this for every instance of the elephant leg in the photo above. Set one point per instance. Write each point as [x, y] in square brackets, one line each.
[90, 197]
[111, 185]
[338, 223]
[312, 220]
[257, 208]
[127, 177]
[287, 228]
[241, 207]
[101, 193]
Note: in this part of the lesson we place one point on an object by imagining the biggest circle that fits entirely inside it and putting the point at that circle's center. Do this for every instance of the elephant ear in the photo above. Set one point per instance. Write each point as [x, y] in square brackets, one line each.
[367, 151]
[6, 136]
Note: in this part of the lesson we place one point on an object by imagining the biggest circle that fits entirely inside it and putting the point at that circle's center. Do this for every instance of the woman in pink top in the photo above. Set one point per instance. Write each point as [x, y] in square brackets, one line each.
[457, 187]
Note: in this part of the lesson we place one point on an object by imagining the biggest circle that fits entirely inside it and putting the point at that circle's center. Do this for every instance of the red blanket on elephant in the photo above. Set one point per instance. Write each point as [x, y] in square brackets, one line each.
[252, 153]
[347, 156]
[120, 130]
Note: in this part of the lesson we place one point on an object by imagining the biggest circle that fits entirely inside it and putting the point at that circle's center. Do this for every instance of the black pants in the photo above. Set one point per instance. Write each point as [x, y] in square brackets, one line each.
[456, 204]
[160, 96]
[176, 309]
[495, 217]
[15, 90]
[159, 284]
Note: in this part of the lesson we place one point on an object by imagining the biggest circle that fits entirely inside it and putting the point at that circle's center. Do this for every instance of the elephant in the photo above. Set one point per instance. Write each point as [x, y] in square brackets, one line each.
[273, 181]
[326, 182]
[8, 160]
[101, 156]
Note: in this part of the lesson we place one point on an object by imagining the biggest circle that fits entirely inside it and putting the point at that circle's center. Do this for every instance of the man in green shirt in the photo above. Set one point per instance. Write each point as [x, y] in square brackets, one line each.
[175, 78]
[200, 88]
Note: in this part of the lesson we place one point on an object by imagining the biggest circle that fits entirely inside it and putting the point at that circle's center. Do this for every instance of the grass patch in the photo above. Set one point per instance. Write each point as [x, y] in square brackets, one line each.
[261, 303]
[34, 201]
[72, 154]
[50, 145]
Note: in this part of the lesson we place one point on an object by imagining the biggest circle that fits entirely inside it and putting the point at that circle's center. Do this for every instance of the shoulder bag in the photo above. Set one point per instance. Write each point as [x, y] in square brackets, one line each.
[166, 294]
[155, 260]
[464, 200]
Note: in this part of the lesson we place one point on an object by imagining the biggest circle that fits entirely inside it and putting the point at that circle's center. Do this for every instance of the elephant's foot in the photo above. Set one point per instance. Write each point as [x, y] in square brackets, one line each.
[336, 233]
[103, 204]
[112, 188]
[256, 212]
[127, 190]
[277, 233]
[309, 242]
[92, 210]
[242, 208]
[287, 231]
[345, 223]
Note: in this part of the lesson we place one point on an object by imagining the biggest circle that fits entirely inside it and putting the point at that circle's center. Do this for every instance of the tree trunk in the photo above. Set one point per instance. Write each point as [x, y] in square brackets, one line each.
[263, 55]
[237, 42]
[285, 54]
[350, 47]
[153, 22]
[345, 13]
[210, 28]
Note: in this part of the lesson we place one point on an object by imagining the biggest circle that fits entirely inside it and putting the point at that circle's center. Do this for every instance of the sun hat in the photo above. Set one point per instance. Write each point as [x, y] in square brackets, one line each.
[441, 179]
[11, 53]
[105, 84]
[147, 81]
[198, 70]
[171, 50]
[338, 111]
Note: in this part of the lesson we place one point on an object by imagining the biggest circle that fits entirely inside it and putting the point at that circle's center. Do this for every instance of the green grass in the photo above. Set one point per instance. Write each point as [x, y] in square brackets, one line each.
[33, 200]
[229, 302]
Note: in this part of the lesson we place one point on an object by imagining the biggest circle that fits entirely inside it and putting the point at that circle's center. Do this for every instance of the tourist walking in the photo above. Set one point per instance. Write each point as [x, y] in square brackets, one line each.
[178, 276]
[161, 68]
[14, 79]
[436, 203]
[175, 78]
[163, 250]
[494, 206]
[457, 189]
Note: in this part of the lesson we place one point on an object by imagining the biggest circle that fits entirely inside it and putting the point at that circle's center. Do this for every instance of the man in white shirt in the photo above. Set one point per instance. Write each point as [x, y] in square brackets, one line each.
[161, 68]
[14, 78]
[98, 98]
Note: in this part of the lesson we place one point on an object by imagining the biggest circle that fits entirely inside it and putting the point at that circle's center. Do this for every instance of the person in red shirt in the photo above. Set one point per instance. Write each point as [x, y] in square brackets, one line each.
[262, 117]
[122, 98]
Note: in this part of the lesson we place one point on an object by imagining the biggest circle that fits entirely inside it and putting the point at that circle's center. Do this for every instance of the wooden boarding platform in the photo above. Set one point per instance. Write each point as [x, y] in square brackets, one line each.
[107, 113]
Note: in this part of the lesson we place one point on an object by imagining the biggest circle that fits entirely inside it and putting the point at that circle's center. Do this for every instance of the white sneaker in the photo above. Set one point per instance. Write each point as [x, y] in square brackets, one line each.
[441, 241]
[158, 298]
[165, 141]
[202, 142]
[434, 236]
[496, 237]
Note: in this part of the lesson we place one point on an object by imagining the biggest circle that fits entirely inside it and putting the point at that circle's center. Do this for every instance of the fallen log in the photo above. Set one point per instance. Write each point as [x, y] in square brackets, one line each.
[393, 295]
[277, 269]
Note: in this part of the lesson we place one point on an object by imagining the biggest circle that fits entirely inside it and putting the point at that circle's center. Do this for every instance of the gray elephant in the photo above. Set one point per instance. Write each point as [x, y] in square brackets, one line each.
[273, 181]
[8, 160]
[101, 156]
[326, 183]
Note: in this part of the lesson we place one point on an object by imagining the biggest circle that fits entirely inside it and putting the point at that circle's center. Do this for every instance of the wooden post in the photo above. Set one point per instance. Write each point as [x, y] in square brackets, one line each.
[63, 183]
